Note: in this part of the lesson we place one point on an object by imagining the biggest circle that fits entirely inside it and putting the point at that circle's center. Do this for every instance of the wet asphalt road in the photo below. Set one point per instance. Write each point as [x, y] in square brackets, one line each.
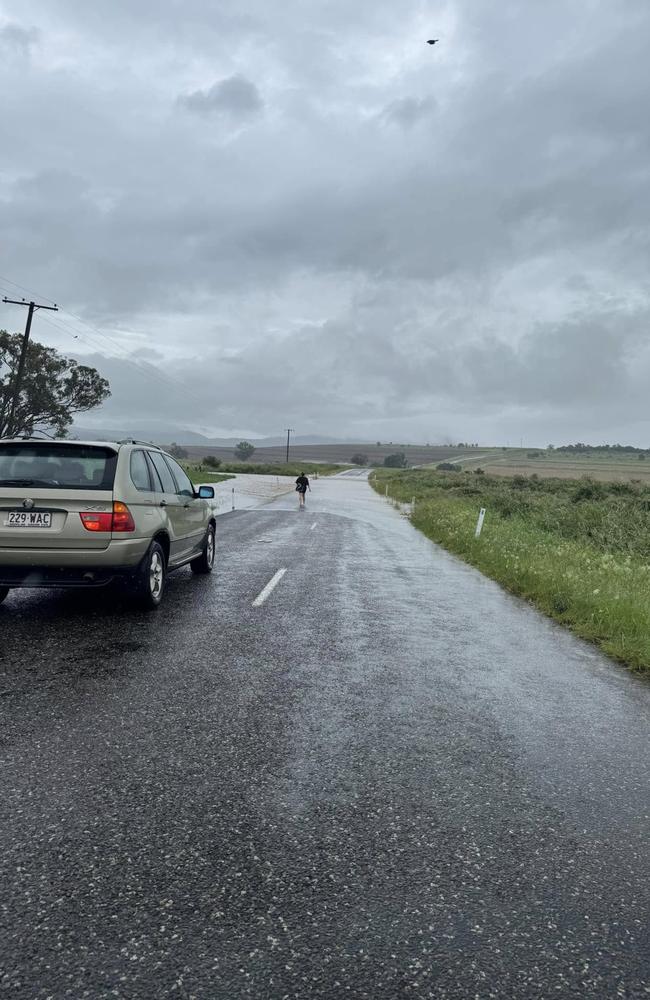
[390, 780]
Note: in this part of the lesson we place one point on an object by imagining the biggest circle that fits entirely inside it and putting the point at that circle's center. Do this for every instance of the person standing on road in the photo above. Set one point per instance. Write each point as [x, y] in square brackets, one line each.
[302, 485]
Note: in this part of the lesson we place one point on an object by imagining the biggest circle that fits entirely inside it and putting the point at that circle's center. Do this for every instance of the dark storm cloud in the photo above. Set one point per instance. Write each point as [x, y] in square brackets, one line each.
[14, 38]
[408, 111]
[236, 96]
[460, 231]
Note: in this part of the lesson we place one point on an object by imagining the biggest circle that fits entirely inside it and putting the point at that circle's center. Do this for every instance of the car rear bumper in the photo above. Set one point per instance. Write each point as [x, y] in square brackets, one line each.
[52, 578]
[70, 567]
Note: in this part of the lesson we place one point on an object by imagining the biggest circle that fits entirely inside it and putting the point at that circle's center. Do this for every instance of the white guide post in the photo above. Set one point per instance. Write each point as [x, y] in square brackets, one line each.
[479, 523]
[233, 498]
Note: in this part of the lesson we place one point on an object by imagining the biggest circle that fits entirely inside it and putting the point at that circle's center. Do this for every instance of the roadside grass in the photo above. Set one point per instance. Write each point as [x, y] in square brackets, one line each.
[577, 549]
[198, 475]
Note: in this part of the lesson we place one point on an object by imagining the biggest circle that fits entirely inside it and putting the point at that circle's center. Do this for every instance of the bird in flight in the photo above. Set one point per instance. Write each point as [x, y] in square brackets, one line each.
[432, 41]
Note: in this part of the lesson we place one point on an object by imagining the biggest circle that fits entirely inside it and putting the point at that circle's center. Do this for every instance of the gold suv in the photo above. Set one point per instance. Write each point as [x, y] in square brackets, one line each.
[87, 513]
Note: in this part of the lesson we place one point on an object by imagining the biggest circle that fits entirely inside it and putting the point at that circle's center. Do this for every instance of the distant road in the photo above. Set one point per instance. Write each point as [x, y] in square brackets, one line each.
[347, 765]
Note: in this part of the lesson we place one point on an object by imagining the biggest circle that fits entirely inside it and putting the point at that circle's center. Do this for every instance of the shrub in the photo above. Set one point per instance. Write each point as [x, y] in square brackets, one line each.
[449, 467]
[622, 489]
[176, 451]
[587, 489]
[212, 461]
[396, 461]
[359, 459]
[560, 604]
[244, 451]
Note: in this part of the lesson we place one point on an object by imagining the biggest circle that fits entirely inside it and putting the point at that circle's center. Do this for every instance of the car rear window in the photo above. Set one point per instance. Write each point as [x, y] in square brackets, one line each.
[54, 466]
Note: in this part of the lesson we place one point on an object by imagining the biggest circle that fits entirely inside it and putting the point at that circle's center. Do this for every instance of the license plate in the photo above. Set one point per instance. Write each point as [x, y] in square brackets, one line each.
[28, 519]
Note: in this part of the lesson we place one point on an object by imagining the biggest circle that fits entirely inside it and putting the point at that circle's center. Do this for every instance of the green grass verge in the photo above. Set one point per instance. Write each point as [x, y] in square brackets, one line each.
[578, 550]
[198, 475]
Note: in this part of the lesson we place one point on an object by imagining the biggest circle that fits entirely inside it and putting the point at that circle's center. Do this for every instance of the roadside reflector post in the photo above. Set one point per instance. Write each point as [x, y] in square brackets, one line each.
[412, 506]
[386, 490]
[233, 498]
[479, 523]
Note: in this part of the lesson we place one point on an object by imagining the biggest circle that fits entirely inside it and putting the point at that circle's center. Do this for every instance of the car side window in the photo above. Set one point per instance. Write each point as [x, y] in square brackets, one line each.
[185, 488]
[164, 475]
[140, 472]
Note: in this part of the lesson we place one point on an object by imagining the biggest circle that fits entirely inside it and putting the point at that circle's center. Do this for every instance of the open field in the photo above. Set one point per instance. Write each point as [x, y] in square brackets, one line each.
[578, 549]
[558, 465]
[340, 454]
[614, 472]
[495, 461]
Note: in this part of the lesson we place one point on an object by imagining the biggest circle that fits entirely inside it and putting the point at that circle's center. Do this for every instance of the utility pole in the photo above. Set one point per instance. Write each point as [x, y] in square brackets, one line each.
[289, 432]
[31, 309]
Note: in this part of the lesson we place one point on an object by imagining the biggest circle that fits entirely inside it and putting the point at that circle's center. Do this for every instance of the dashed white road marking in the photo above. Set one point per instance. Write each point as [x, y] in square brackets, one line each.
[270, 587]
[314, 525]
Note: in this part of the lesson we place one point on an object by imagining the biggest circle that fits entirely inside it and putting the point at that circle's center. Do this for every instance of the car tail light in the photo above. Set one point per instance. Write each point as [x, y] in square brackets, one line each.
[122, 517]
[119, 519]
[97, 522]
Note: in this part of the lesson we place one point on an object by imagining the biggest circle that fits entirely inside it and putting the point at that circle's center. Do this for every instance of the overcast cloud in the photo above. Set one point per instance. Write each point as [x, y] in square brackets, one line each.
[302, 214]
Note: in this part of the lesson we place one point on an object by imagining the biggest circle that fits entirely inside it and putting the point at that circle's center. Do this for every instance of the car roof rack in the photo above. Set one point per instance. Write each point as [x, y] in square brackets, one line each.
[149, 444]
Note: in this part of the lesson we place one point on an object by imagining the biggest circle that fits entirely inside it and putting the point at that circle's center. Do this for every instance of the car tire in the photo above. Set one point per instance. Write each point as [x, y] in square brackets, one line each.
[3, 593]
[204, 563]
[149, 584]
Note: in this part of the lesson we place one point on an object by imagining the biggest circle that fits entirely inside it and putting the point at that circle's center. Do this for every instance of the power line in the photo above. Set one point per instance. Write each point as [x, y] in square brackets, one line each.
[23, 289]
[148, 372]
[100, 333]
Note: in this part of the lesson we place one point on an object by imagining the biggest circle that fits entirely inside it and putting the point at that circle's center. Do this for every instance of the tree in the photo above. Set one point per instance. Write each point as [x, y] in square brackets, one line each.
[244, 451]
[177, 451]
[396, 461]
[359, 459]
[212, 461]
[53, 388]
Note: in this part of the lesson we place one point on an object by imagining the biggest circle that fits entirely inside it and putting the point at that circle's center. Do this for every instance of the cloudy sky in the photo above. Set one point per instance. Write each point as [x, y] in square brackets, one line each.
[260, 214]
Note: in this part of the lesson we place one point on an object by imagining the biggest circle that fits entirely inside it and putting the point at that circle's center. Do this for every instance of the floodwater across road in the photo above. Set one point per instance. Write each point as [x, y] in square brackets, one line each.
[387, 779]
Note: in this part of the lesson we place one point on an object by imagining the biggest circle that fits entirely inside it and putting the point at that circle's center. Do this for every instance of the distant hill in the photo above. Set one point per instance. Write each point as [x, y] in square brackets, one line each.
[165, 434]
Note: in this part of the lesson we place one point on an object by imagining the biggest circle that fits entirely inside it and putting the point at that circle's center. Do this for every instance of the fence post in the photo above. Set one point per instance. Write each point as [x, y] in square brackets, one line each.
[479, 523]
[233, 498]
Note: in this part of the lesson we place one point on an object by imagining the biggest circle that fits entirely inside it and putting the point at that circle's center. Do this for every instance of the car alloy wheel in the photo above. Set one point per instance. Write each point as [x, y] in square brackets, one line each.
[156, 575]
[204, 563]
[149, 582]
